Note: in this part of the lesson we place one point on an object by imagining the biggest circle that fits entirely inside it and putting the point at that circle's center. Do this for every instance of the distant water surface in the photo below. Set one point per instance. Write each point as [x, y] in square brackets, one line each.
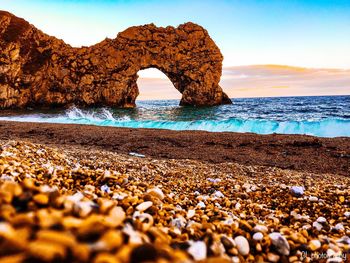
[326, 116]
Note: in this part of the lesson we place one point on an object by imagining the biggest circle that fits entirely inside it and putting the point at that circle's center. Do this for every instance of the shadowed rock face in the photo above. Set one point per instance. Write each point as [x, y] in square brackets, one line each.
[37, 70]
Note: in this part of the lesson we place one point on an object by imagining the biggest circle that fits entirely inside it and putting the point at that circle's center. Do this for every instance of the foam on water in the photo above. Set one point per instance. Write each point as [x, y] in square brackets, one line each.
[324, 117]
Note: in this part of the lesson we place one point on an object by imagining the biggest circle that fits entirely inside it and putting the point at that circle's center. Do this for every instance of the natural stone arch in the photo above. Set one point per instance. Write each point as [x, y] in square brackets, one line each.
[153, 84]
[39, 70]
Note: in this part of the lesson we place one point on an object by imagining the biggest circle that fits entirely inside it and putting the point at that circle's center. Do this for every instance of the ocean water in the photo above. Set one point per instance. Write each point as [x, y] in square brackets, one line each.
[326, 116]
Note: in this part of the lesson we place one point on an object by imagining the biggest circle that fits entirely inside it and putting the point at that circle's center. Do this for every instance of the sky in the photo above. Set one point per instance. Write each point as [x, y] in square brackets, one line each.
[302, 33]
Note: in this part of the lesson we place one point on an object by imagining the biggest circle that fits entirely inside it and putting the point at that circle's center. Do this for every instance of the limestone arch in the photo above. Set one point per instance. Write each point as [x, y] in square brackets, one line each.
[153, 84]
[41, 70]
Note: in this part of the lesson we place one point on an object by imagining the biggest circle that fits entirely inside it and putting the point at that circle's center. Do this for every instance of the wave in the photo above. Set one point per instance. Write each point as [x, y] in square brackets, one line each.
[331, 127]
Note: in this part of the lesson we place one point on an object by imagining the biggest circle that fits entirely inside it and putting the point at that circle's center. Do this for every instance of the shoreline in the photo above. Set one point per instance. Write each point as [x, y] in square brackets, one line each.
[296, 152]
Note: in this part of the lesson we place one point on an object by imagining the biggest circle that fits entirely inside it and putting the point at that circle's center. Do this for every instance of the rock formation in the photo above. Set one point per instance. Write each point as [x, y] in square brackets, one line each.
[37, 70]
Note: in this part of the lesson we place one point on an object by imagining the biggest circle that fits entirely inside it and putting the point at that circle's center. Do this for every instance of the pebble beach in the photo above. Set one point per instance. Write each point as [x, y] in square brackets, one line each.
[67, 204]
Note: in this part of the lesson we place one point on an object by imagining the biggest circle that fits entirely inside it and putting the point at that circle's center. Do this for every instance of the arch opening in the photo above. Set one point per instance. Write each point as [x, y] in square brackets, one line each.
[153, 84]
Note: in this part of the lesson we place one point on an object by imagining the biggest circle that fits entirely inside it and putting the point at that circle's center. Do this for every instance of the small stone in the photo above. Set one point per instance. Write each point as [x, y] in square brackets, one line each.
[317, 225]
[56, 237]
[198, 250]
[227, 242]
[273, 257]
[201, 204]
[41, 199]
[347, 214]
[242, 245]
[339, 227]
[137, 155]
[157, 192]
[47, 251]
[144, 206]
[218, 194]
[258, 236]
[297, 190]
[238, 206]
[314, 244]
[116, 216]
[280, 242]
[7, 231]
[191, 213]
[313, 199]
[260, 228]
[105, 188]
[321, 220]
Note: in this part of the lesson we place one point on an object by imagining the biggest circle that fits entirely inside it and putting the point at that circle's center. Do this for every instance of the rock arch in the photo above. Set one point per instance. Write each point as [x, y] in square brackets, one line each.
[39, 70]
[155, 85]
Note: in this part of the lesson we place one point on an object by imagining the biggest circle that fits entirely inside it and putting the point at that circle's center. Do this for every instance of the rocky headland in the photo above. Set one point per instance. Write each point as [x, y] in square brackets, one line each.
[37, 70]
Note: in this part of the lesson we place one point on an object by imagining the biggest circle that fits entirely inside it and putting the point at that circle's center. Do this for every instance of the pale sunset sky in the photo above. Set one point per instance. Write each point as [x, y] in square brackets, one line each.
[312, 37]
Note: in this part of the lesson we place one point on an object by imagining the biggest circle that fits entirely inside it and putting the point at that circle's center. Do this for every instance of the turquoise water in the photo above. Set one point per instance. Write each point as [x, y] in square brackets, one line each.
[327, 116]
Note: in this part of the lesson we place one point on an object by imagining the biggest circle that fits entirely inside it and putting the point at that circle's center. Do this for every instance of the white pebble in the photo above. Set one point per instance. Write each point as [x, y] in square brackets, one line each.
[198, 250]
[297, 190]
[321, 220]
[242, 245]
[237, 206]
[218, 194]
[317, 225]
[201, 204]
[260, 228]
[191, 213]
[158, 192]
[258, 236]
[273, 257]
[280, 242]
[347, 214]
[144, 206]
[339, 227]
[313, 199]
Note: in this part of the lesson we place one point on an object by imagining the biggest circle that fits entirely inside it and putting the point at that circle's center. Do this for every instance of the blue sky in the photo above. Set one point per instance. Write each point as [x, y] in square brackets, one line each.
[289, 32]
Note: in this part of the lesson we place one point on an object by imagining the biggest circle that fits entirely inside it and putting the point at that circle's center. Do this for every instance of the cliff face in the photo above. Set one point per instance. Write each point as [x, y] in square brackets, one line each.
[37, 70]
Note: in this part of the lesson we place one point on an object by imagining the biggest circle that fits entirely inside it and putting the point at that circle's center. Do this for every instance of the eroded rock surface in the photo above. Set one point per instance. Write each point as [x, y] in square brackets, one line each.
[37, 70]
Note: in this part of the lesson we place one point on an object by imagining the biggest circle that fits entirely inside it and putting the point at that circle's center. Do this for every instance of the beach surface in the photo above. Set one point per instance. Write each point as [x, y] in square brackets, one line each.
[75, 193]
[295, 152]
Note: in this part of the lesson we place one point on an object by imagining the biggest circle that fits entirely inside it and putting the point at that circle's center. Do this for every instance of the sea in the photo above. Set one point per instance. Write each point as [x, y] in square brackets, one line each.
[322, 116]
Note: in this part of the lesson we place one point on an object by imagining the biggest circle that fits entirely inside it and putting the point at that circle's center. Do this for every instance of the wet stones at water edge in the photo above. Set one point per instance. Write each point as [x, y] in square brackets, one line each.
[37, 70]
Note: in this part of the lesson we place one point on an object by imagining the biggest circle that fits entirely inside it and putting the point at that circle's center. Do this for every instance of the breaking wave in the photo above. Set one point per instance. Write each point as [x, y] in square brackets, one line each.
[329, 127]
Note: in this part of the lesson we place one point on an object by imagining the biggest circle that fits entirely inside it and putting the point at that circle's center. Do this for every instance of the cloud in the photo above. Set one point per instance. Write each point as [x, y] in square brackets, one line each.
[258, 81]
[281, 80]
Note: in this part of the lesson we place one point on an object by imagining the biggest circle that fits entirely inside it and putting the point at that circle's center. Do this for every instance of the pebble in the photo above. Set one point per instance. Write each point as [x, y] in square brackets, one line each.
[242, 245]
[198, 250]
[314, 244]
[313, 198]
[219, 194]
[280, 242]
[273, 257]
[317, 225]
[321, 220]
[201, 205]
[297, 190]
[144, 206]
[260, 228]
[339, 227]
[258, 236]
[137, 154]
[347, 214]
[191, 213]
[157, 192]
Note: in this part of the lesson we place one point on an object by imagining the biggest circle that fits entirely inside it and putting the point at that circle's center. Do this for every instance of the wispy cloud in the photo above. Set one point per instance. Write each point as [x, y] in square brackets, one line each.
[259, 81]
[280, 80]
